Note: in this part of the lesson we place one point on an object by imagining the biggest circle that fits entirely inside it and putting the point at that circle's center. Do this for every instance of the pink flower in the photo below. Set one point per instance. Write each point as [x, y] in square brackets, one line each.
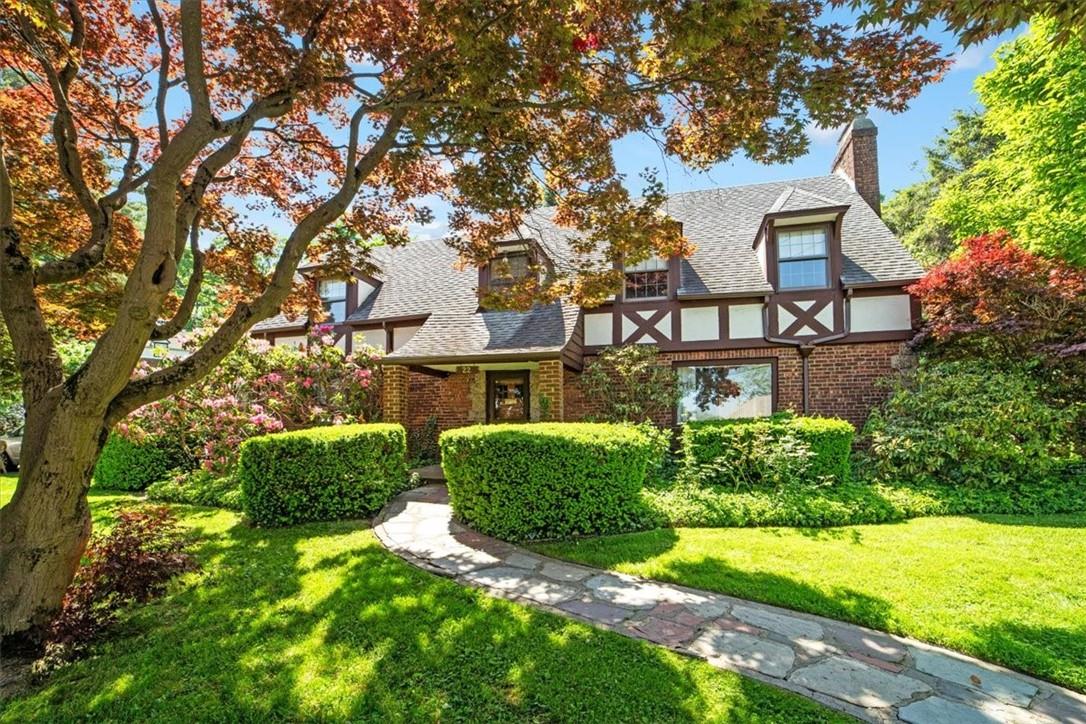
[307, 382]
[274, 378]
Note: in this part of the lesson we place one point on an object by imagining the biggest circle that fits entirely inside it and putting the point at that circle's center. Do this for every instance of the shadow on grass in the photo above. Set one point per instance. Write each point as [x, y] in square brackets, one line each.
[716, 574]
[319, 622]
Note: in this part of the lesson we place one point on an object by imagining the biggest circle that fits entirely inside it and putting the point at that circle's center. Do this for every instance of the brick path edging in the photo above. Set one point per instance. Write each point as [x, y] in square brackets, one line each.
[868, 674]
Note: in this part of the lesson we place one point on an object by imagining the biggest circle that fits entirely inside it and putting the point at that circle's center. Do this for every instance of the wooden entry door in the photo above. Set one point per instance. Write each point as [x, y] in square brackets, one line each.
[508, 396]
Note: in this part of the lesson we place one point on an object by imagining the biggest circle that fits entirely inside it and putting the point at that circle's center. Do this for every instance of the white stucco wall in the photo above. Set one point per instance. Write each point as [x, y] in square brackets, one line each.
[745, 321]
[597, 329]
[700, 324]
[881, 314]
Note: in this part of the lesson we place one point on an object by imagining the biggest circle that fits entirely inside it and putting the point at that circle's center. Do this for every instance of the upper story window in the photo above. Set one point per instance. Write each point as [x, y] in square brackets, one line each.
[509, 268]
[803, 258]
[647, 279]
[333, 293]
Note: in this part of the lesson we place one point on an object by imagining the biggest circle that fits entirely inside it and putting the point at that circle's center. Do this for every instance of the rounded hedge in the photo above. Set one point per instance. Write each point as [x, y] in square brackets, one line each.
[128, 465]
[708, 443]
[547, 480]
[323, 473]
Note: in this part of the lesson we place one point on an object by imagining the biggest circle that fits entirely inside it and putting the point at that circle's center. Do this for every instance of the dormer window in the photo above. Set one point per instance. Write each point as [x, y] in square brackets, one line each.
[647, 279]
[333, 293]
[510, 268]
[803, 258]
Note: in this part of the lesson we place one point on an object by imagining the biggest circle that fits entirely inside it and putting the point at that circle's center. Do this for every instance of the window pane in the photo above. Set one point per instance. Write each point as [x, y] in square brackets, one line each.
[797, 244]
[646, 285]
[509, 268]
[509, 397]
[717, 392]
[337, 311]
[652, 264]
[332, 289]
[807, 273]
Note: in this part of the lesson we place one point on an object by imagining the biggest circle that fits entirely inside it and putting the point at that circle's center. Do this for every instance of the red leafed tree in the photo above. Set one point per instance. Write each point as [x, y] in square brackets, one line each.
[999, 301]
[338, 116]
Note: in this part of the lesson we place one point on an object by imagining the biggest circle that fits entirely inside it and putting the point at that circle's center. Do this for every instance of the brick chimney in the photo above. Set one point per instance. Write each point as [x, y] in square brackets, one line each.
[857, 160]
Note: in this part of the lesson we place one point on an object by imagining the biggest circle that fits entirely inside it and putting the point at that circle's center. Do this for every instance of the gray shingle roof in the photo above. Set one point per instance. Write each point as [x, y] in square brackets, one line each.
[543, 329]
[422, 277]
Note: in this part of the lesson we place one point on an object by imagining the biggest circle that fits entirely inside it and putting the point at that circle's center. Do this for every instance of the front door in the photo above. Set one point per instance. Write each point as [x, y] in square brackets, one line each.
[507, 396]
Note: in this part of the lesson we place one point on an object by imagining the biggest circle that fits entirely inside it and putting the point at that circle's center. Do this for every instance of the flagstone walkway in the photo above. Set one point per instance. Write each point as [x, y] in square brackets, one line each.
[868, 674]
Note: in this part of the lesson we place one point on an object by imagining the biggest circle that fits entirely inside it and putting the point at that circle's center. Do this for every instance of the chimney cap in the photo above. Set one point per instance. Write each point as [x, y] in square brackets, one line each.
[859, 124]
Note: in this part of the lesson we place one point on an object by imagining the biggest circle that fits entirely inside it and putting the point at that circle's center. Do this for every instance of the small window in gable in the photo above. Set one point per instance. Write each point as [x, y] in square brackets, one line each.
[647, 279]
[803, 258]
[333, 293]
[510, 267]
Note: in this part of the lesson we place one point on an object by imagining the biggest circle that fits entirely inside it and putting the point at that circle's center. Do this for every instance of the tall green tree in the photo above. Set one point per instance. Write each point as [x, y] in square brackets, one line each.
[1020, 165]
[909, 212]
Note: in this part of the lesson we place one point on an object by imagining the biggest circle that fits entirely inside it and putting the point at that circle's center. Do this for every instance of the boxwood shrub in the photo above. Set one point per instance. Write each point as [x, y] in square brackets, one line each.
[129, 465]
[726, 450]
[550, 480]
[323, 473]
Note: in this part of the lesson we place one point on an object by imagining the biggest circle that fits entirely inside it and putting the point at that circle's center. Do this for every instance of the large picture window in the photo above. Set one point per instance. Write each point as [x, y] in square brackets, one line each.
[647, 280]
[803, 258]
[715, 392]
[333, 294]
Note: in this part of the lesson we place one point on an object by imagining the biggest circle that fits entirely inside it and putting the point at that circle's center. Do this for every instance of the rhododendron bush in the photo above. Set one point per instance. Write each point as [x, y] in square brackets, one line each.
[260, 389]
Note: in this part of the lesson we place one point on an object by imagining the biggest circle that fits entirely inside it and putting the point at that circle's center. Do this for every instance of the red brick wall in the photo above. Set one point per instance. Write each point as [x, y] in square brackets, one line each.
[842, 378]
[449, 399]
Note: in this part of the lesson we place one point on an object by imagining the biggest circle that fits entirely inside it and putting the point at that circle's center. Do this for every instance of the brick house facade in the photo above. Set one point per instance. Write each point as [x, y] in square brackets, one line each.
[796, 289]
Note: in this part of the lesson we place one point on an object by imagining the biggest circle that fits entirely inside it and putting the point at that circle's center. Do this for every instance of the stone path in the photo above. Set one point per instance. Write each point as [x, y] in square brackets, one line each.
[868, 674]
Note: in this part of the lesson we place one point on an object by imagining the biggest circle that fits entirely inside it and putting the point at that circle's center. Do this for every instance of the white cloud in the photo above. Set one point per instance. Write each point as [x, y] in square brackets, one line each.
[968, 58]
[820, 135]
[434, 230]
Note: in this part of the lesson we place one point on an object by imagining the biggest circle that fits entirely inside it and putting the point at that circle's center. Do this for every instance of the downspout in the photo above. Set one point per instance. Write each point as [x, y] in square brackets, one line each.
[805, 348]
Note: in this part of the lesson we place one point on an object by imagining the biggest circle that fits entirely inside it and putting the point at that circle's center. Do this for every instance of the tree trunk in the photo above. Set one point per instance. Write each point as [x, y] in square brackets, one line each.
[45, 528]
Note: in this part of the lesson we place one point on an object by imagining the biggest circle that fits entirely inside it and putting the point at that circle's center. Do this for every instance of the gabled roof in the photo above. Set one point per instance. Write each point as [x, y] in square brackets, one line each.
[422, 278]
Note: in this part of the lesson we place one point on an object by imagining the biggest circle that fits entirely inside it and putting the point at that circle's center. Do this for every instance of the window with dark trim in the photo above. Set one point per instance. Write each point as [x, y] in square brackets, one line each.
[333, 293]
[509, 268]
[717, 391]
[803, 258]
[647, 279]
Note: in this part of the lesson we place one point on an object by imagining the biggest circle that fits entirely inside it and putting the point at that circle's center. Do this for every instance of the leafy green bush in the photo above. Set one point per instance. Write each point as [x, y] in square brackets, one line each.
[126, 464]
[685, 504]
[548, 480]
[767, 451]
[323, 473]
[198, 487]
[973, 425]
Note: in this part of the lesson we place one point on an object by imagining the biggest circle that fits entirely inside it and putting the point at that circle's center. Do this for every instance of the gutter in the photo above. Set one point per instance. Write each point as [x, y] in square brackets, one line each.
[807, 347]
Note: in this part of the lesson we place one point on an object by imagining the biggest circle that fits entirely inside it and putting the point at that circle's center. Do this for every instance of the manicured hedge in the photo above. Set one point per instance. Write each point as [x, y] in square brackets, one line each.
[718, 443]
[128, 465]
[323, 473]
[550, 480]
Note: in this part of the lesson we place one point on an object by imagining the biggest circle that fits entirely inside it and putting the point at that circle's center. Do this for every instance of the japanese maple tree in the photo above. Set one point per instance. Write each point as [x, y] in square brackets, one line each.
[340, 115]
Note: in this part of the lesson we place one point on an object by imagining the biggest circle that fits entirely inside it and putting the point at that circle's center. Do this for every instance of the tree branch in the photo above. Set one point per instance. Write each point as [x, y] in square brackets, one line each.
[39, 364]
[192, 46]
[192, 292]
[163, 76]
[171, 379]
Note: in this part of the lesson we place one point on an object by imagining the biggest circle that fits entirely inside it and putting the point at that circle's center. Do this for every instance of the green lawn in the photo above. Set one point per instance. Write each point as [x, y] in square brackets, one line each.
[1008, 589]
[318, 622]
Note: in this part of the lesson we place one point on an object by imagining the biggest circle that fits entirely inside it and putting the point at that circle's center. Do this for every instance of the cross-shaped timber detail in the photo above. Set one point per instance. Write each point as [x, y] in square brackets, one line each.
[646, 326]
[804, 318]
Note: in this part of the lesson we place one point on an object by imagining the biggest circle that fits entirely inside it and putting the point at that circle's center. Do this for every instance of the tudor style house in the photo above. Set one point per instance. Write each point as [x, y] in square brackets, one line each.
[797, 288]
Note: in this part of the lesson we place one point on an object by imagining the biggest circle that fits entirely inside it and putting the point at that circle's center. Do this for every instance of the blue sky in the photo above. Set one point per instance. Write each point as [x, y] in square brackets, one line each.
[902, 138]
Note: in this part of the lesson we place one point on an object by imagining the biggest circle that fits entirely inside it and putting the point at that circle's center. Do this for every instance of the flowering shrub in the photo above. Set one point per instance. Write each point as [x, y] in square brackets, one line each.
[259, 389]
[130, 564]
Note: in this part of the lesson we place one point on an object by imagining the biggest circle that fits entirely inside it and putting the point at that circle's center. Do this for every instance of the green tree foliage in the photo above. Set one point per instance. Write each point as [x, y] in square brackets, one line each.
[1019, 165]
